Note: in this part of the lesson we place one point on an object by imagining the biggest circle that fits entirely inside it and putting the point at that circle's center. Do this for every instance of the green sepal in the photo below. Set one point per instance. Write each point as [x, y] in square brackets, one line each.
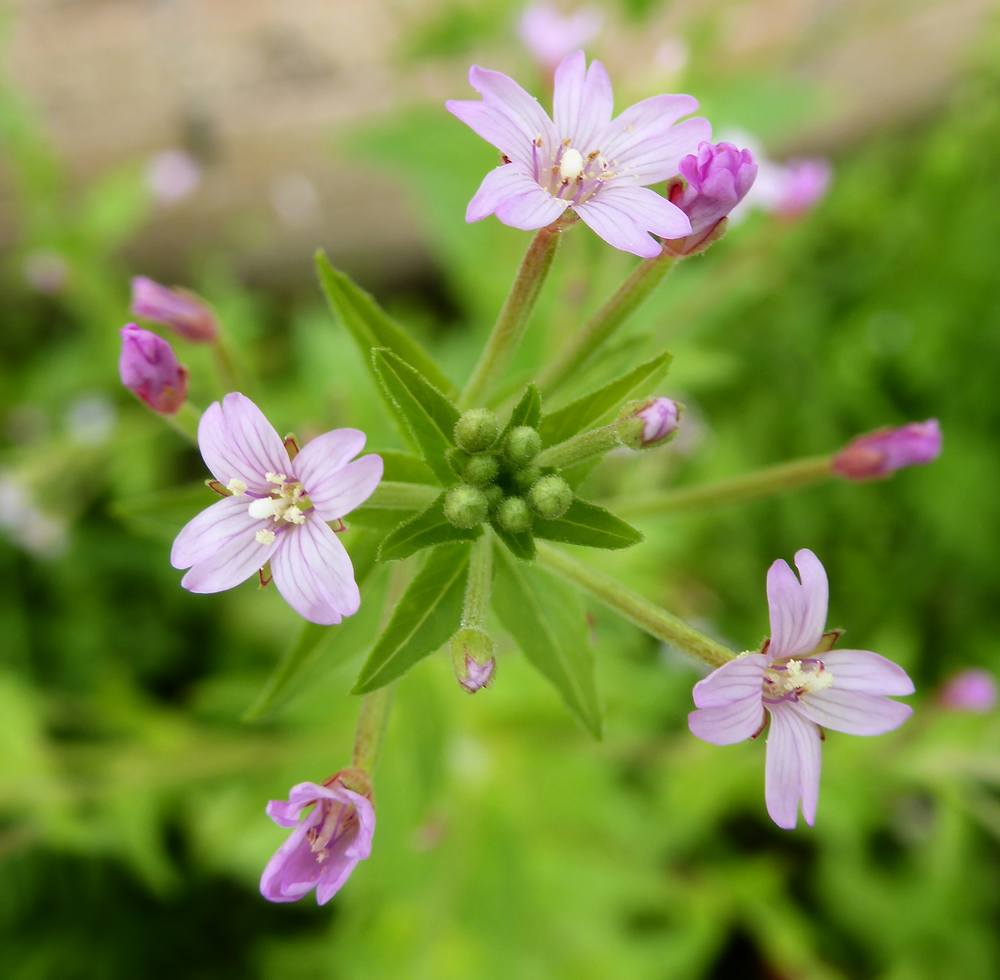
[589, 525]
[423, 530]
[425, 618]
[521, 545]
[549, 624]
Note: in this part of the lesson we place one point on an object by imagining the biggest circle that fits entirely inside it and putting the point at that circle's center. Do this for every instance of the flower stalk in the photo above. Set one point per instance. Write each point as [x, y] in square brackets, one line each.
[582, 446]
[372, 720]
[648, 616]
[185, 421]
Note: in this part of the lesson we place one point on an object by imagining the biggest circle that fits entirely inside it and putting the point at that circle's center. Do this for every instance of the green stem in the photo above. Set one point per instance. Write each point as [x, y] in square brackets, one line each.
[513, 318]
[185, 421]
[392, 495]
[634, 607]
[583, 445]
[229, 375]
[480, 582]
[643, 280]
[371, 727]
[761, 483]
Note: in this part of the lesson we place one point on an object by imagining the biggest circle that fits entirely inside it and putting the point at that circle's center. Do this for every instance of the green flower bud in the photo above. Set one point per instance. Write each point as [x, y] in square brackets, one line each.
[524, 478]
[494, 495]
[513, 515]
[465, 506]
[473, 659]
[550, 497]
[482, 470]
[476, 430]
[523, 445]
[457, 459]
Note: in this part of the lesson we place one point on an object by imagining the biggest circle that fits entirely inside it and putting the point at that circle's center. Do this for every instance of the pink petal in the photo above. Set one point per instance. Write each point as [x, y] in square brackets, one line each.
[501, 93]
[313, 573]
[582, 101]
[534, 208]
[725, 724]
[237, 442]
[648, 209]
[792, 768]
[500, 185]
[861, 670]
[293, 870]
[740, 678]
[323, 456]
[644, 125]
[496, 128]
[617, 227]
[334, 485]
[658, 155]
[798, 612]
[853, 712]
[213, 529]
[231, 563]
[348, 488]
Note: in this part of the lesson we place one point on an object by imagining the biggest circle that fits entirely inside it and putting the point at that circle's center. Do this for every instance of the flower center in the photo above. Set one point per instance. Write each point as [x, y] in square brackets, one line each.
[569, 174]
[791, 680]
[286, 503]
[335, 823]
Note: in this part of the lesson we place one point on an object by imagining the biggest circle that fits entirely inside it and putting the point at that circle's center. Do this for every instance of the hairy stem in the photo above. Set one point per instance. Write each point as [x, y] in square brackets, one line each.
[480, 582]
[582, 446]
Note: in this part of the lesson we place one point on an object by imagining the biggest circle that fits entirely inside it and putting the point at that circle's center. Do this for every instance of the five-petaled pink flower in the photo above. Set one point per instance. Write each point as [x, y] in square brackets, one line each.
[802, 687]
[581, 158]
[325, 846]
[277, 512]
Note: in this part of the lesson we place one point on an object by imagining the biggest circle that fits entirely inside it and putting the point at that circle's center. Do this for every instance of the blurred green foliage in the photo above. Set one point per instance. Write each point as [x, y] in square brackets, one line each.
[510, 844]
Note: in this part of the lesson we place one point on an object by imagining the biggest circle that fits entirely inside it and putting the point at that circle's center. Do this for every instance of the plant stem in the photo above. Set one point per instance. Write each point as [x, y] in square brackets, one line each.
[643, 280]
[185, 421]
[513, 318]
[226, 366]
[760, 483]
[371, 727]
[393, 495]
[634, 607]
[480, 582]
[583, 445]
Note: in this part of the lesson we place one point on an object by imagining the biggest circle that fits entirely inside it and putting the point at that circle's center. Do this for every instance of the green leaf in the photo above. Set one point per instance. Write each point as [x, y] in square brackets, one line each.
[549, 624]
[371, 326]
[425, 618]
[427, 414]
[405, 467]
[589, 525]
[423, 530]
[601, 403]
[521, 545]
[526, 412]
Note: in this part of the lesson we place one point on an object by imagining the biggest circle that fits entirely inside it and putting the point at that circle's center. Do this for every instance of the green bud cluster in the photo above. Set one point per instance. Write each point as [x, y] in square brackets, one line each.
[500, 480]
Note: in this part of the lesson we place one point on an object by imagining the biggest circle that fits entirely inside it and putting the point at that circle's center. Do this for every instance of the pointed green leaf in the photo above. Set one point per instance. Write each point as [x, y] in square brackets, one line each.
[600, 404]
[370, 326]
[521, 545]
[428, 416]
[425, 618]
[589, 525]
[526, 412]
[549, 624]
[404, 467]
[423, 530]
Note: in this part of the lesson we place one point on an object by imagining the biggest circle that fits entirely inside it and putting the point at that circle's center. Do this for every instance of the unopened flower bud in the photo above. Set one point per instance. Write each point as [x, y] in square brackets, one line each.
[465, 506]
[457, 459]
[149, 369]
[526, 477]
[178, 309]
[513, 515]
[969, 690]
[650, 423]
[879, 453]
[494, 494]
[476, 430]
[550, 497]
[482, 470]
[523, 445]
[473, 659]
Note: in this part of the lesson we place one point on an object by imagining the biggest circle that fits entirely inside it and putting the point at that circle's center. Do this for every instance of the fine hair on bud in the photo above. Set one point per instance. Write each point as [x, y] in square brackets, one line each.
[494, 494]
[476, 430]
[525, 478]
[465, 506]
[482, 470]
[523, 445]
[514, 515]
[550, 497]
[457, 459]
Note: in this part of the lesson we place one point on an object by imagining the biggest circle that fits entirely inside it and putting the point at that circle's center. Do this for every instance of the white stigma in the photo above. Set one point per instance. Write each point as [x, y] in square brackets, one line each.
[571, 165]
[236, 487]
[264, 537]
[265, 507]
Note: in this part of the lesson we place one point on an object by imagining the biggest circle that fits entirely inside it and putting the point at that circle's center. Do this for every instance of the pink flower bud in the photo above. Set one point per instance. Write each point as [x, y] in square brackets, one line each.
[717, 179]
[473, 659]
[149, 369]
[879, 453]
[178, 309]
[660, 420]
[969, 690]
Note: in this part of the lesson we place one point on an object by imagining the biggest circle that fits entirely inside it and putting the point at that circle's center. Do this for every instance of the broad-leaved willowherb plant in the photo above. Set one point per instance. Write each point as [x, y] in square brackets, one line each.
[479, 508]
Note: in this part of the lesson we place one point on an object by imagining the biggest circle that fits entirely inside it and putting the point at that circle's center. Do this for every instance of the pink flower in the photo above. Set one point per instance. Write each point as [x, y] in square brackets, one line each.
[277, 512]
[969, 690]
[550, 35]
[172, 175]
[175, 308]
[879, 453]
[325, 847]
[790, 189]
[718, 178]
[802, 688]
[581, 159]
[149, 369]
[661, 418]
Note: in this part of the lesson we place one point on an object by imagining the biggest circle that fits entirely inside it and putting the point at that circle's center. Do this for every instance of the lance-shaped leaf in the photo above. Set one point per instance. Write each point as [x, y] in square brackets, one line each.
[427, 415]
[404, 467]
[589, 525]
[423, 530]
[394, 503]
[370, 326]
[602, 403]
[527, 411]
[425, 618]
[549, 624]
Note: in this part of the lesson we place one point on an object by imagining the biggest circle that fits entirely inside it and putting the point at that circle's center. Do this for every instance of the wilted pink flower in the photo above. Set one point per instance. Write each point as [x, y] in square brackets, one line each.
[277, 512]
[661, 418]
[550, 35]
[790, 189]
[149, 369]
[802, 687]
[879, 453]
[717, 179]
[178, 309]
[172, 175]
[325, 846]
[581, 159]
[970, 690]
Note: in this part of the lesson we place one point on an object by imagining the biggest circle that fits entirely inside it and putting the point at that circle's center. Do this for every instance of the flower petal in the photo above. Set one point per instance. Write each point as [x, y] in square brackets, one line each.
[617, 227]
[792, 768]
[323, 456]
[535, 208]
[798, 611]
[501, 185]
[293, 870]
[349, 488]
[501, 93]
[231, 563]
[861, 670]
[347, 851]
[726, 724]
[212, 529]
[648, 209]
[313, 573]
[740, 678]
[658, 156]
[496, 128]
[237, 442]
[854, 712]
[582, 101]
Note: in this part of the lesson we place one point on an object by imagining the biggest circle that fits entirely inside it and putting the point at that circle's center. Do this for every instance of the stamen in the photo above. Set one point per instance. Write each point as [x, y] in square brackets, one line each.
[276, 478]
[236, 487]
[264, 536]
